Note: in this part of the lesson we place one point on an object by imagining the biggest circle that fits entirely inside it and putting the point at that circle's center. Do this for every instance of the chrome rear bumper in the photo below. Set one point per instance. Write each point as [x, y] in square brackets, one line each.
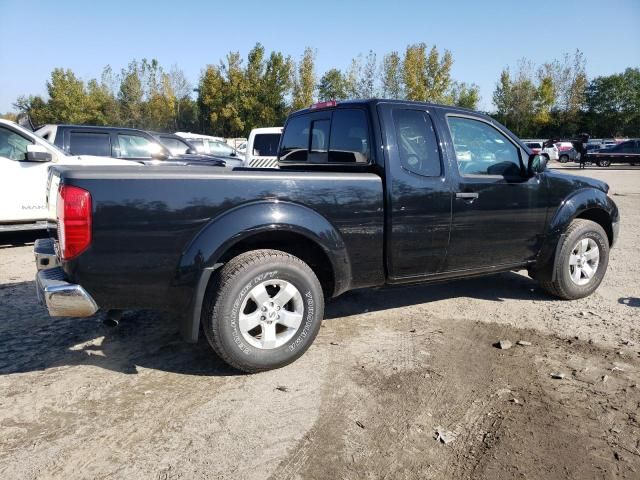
[62, 299]
[45, 254]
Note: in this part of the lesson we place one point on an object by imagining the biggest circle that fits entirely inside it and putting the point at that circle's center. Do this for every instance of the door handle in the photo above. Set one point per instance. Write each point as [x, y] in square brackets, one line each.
[468, 196]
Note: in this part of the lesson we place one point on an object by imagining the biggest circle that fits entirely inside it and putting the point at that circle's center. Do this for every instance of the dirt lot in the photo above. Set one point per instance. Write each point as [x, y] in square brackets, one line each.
[390, 368]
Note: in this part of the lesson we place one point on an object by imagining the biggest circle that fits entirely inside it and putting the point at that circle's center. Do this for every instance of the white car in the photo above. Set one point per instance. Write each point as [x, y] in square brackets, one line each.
[201, 142]
[262, 147]
[24, 169]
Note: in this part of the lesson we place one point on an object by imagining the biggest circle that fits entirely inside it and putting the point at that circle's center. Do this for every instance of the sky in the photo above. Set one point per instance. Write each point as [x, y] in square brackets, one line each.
[484, 36]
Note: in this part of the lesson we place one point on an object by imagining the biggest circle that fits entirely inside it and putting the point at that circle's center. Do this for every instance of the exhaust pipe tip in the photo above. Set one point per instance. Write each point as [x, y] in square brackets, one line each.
[113, 318]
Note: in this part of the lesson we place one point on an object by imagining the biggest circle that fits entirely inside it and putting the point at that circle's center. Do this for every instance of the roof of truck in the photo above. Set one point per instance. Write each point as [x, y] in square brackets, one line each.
[375, 101]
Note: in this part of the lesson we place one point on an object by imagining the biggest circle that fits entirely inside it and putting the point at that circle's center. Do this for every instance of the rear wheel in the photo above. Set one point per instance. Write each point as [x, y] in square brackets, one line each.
[564, 158]
[604, 163]
[582, 261]
[265, 311]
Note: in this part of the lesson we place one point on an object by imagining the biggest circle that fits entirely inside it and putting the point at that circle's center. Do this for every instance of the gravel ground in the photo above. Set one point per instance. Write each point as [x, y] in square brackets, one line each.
[400, 383]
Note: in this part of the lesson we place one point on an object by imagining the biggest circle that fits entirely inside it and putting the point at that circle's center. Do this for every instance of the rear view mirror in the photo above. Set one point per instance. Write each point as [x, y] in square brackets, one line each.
[537, 163]
[37, 153]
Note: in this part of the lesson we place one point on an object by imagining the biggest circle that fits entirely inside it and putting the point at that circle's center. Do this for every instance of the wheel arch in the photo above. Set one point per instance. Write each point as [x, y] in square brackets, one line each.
[284, 226]
[588, 204]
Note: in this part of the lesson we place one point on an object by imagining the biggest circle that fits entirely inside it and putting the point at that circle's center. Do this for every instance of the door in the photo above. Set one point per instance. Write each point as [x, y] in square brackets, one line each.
[22, 184]
[499, 211]
[419, 195]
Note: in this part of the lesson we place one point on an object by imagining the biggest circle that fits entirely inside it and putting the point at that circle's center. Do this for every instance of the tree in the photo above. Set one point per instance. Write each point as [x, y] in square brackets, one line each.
[332, 86]
[305, 82]
[392, 76]
[35, 107]
[463, 95]
[368, 78]
[277, 85]
[67, 99]
[438, 75]
[130, 95]
[613, 104]
[502, 96]
[414, 72]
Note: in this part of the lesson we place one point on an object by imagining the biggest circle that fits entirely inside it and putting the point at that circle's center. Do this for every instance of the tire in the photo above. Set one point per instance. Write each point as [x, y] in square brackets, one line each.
[240, 291]
[604, 163]
[564, 158]
[576, 275]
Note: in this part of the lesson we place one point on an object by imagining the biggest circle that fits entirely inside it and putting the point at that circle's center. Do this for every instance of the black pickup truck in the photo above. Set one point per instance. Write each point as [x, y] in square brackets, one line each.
[368, 193]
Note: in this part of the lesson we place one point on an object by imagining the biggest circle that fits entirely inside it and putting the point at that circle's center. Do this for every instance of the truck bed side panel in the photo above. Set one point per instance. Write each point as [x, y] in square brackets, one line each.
[144, 220]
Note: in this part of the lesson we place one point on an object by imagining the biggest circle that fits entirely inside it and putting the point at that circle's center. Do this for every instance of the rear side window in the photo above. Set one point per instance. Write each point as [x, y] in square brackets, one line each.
[295, 140]
[341, 136]
[349, 137]
[85, 143]
[417, 143]
[266, 144]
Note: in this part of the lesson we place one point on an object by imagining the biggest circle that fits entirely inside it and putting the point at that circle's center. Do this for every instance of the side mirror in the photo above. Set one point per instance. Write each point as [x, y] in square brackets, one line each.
[37, 153]
[537, 163]
[191, 151]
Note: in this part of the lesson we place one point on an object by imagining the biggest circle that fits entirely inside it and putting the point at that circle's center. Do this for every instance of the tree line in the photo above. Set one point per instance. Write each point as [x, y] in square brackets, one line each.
[556, 99]
[238, 94]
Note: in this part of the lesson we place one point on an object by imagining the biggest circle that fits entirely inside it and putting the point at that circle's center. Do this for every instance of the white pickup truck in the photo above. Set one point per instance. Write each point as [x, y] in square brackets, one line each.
[24, 163]
[262, 148]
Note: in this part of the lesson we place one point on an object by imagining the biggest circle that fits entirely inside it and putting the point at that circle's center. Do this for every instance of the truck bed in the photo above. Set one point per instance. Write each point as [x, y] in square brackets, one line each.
[146, 222]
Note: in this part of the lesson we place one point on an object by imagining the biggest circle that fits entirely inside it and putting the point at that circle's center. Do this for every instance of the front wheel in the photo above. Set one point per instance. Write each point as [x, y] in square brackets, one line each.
[564, 158]
[604, 163]
[265, 311]
[582, 261]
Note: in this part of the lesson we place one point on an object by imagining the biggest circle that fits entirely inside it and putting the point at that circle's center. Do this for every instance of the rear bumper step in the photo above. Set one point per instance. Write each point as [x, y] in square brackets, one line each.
[45, 254]
[63, 299]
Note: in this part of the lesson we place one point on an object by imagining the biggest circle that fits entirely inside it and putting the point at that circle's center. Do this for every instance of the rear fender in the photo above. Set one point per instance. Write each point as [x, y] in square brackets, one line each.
[201, 258]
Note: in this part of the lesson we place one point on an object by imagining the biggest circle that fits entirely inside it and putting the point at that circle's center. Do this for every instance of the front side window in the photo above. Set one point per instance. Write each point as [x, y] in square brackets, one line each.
[12, 145]
[84, 143]
[417, 143]
[482, 150]
[135, 146]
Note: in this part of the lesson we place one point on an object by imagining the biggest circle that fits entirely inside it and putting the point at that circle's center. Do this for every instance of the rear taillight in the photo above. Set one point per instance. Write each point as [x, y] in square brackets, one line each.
[74, 221]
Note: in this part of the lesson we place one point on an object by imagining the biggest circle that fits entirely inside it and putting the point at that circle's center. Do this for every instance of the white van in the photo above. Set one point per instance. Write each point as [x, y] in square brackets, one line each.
[24, 168]
[262, 148]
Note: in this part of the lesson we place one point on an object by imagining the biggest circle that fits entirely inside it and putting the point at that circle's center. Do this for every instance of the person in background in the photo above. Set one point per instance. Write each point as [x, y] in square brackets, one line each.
[584, 140]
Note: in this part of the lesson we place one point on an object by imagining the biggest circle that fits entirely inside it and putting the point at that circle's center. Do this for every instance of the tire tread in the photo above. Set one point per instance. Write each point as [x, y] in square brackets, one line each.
[222, 281]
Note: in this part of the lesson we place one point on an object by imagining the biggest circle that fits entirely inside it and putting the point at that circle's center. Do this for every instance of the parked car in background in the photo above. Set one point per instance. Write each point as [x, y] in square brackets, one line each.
[201, 142]
[176, 144]
[537, 147]
[566, 152]
[116, 142]
[625, 152]
[24, 162]
[369, 193]
[262, 147]
[180, 146]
